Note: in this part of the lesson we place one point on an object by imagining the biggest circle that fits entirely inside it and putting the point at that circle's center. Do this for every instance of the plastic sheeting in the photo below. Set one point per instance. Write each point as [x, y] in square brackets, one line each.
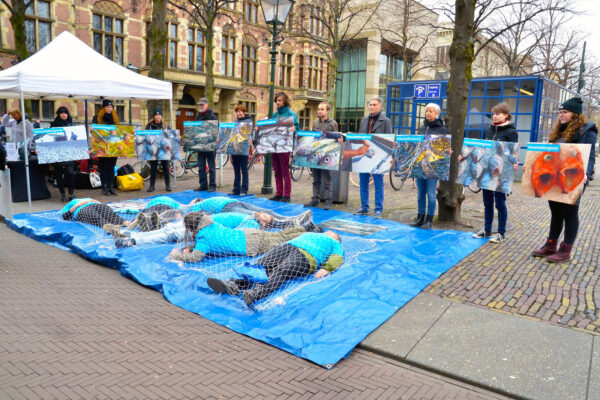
[320, 320]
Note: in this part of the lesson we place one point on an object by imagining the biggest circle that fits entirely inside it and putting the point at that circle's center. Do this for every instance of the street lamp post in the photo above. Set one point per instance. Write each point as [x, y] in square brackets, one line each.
[133, 68]
[275, 13]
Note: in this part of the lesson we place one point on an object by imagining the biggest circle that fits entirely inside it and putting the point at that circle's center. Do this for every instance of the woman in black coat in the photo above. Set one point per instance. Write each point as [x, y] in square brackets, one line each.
[156, 123]
[64, 171]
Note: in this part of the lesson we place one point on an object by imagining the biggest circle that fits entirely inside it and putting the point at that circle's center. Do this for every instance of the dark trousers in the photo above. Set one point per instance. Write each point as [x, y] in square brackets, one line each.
[206, 158]
[489, 198]
[283, 180]
[321, 177]
[282, 263]
[154, 170]
[65, 173]
[106, 167]
[567, 215]
[99, 215]
[240, 172]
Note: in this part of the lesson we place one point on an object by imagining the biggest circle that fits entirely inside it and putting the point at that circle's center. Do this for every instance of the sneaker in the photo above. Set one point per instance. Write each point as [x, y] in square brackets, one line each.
[378, 214]
[361, 212]
[482, 234]
[497, 238]
[305, 217]
[113, 229]
[124, 242]
[285, 199]
[275, 198]
[220, 286]
[154, 221]
[311, 227]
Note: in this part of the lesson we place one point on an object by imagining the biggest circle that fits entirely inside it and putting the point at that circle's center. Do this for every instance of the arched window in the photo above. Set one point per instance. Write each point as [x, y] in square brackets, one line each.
[249, 58]
[228, 51]
[107, 30]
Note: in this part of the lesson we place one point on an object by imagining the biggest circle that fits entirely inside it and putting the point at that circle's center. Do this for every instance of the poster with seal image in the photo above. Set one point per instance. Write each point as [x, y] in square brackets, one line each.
[369, 153]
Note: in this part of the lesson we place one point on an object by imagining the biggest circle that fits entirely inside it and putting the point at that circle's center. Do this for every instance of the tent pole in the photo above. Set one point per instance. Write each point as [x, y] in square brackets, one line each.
[26, 152]
[173, 126]
[85, 108]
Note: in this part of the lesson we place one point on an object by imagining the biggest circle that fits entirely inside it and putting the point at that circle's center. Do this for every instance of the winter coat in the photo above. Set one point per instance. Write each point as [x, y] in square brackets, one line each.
[285, 112]
[587, 134]
[381, 125]
[107, 119]
[154, 126]
[435, 127]
[504, 133]
[209, 115]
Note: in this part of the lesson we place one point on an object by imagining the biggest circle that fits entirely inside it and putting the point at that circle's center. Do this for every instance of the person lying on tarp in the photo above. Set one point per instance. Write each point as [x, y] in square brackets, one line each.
[91, 212]
[301, 256]
[209, 237]
[158, 212]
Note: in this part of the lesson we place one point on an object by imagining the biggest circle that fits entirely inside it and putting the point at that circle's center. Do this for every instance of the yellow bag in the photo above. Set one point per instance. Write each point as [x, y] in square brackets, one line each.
[130, 182]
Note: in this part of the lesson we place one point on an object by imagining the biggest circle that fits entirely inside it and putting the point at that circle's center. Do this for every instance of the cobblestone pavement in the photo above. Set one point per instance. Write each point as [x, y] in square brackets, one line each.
[71, 329]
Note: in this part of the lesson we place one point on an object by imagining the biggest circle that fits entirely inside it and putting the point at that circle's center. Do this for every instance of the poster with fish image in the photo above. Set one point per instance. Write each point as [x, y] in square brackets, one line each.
[200, 135]
[67, 143]
[234, 138]
[488, 164]
[320, 150]
[369, 153]
[275, 135]
[112, 140]
[555, 171]
[420, 156]
[157, 144]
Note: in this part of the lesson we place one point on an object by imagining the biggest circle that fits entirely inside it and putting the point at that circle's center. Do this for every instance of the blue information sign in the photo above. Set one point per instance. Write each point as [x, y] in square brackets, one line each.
[420, 90]
[433, 90]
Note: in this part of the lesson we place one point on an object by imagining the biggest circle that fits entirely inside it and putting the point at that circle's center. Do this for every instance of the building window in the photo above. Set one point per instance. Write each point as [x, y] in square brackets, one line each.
[228, 52]
[3, 109]
[315, 72]
[119, 109]
[230, 5]
[42, 109]
[108, 36]
[251, 107]
[443, 55]
[195, 50]
[285, 69]
[300, 71]
[249, 62]
[312, 19]
[172, 46]
[304, 119]
[251, 11]
[290, 21]
[37, 25]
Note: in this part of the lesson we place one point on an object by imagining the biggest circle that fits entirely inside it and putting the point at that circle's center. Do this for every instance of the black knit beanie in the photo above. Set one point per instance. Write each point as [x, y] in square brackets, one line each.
[574, 105]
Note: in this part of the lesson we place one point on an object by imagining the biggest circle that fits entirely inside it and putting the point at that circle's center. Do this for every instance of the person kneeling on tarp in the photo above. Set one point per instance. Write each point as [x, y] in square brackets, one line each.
[301, 256]
[92, 212]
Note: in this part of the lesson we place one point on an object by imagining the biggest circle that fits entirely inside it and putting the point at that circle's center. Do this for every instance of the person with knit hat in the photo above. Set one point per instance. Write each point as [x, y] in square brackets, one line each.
[64, 171]
[571, 127]
[106, 165]
[156, 123]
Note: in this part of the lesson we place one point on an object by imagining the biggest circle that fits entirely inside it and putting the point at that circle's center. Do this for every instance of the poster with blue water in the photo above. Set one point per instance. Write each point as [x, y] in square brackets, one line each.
[67, 143]
[422, 156]
[368, 153]
[320, 150]
[157, 144]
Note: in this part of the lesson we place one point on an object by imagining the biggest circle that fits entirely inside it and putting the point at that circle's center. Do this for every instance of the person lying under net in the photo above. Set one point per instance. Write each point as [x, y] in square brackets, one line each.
[301, 256]
[209, 237]
[91, 211]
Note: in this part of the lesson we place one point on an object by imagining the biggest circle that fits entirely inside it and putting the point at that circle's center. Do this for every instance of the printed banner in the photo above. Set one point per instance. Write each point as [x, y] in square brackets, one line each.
[488, 164]
[370, 153]
[157, 144]
[321, 150]
[112, 140]
[200, 135]
[275, 135]
[419, 156]
[234, 138]
[555, 171]
[67, 143]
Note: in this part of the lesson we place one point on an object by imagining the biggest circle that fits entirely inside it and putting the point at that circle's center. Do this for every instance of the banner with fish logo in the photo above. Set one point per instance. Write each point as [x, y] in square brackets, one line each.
[424, 157]
[369, 153]
[234, 138]
[488, 164]
[157, 144]
[555, 171]
[275, 135]
[67, 143]
[320, 150]
[112, 140]
[200, 135]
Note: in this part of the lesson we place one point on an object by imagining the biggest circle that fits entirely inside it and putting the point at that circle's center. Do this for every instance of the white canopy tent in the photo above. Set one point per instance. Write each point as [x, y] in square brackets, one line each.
[68, 68]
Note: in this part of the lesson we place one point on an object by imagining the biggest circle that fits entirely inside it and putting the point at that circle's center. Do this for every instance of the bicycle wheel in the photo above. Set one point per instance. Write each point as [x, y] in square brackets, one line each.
[355, 179]
[191, 163]
[225, 160]
[476, 190]
[296, 173]
[142, 168]
[395, 181]
[180, 168]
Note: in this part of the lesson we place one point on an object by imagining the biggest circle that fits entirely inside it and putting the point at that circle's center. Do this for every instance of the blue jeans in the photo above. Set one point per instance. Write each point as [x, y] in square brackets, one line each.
[499, 198]
[426, 189]
[364, 191]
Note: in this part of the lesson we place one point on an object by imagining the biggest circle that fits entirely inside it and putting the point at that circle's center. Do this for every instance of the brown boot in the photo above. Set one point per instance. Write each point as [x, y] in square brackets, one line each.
[547, 249]
[563, 254]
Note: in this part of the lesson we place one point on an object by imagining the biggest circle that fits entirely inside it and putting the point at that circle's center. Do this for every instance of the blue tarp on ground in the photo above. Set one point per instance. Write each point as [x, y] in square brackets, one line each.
[321, 320]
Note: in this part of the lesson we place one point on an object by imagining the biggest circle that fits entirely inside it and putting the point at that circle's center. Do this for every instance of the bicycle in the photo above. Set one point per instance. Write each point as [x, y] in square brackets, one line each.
[175, 167]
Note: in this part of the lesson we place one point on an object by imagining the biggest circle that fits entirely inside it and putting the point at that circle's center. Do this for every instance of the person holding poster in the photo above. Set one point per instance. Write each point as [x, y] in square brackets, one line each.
[571, 127]
[503, 130]
[206, 158]
[240, 162]
[156, 123]
[322, 177]
[426, 188]
[65, 170]
[281, 161]
[106, 165]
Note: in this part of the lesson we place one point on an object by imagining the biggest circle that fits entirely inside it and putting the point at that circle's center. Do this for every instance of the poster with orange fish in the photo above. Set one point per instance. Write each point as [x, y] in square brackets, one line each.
[555, 171]
[112, 140]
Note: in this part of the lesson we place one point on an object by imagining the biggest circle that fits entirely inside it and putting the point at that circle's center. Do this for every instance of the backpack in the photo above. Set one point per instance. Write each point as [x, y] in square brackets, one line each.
[126, 169]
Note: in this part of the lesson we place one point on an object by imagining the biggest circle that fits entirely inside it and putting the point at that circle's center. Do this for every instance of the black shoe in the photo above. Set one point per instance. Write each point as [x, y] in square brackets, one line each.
[150, 189]
[168, 188]
[285, 199]
[419, 220]
[220, 286]
[361, 212]
[212, 189]
[275, 198]
[427, 224]
[201, 189]
[311, 227]
[63, 198]
[249, 297]
[312, 203]
[328, 205]
[124, 242]
[111, 190]
[105, 190]
[70, 197]
[233, 194]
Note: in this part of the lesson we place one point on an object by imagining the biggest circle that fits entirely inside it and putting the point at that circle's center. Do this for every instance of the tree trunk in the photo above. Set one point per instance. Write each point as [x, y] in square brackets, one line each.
[17, 22]
[209, 87]
[462, 52]
[333, 72]
[157, 43]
